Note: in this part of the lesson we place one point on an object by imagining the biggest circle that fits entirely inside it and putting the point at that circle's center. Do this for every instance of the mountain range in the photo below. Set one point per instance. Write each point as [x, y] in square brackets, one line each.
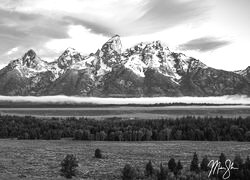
[144, 70]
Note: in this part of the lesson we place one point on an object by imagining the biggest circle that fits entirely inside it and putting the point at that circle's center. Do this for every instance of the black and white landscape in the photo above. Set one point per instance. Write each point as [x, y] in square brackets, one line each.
[135, 89]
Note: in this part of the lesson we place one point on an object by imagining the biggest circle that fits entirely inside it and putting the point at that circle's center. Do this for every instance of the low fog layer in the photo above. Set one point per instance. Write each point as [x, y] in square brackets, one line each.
[145, 100]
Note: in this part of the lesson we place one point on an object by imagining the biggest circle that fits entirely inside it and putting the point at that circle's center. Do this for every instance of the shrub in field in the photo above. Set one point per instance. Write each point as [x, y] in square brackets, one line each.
[204, 164]
[69, 165]
[238, 163]
[98, 153]
[195, 164]
[149, 169]
[171, 164]
[222, 159]
[163, 173]
[247, 168]
[129, 172]
[193, 176]
[179, 167]
[247, 163]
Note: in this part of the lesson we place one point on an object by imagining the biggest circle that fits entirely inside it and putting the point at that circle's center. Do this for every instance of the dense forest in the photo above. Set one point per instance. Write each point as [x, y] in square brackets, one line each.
[115, 129]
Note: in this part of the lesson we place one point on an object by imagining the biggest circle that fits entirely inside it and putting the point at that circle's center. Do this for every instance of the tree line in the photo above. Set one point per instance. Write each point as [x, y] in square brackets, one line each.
[196, 170]
[115, 129]
[172, 170]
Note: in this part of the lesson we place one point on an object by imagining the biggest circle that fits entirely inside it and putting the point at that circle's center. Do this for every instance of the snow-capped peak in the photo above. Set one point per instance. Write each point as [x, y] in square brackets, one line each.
[31, 54]
[113, 44]
[69, 57]
[243, 72]
[70, 51]
[29, 65]
[110, 52]
[154, 54]
[30, 59]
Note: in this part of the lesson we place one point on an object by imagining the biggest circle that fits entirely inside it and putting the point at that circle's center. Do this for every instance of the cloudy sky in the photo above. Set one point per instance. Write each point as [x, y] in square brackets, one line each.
[214, 31]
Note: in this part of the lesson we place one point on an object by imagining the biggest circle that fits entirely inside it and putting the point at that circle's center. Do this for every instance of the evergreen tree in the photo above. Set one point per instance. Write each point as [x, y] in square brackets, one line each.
[149, 169]
[247, 163]
[98, 153]
[171, 164]
[238, 163]
[195, 164]
[204, 164]
[128, 172]
[222, 159]
[69, 165]
[163, 173]
[247, 168]
[179, 166]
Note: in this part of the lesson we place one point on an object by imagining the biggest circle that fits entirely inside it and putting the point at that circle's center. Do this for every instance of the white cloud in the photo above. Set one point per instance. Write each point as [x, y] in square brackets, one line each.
[13, 50]
[80, 38]
[236, 99]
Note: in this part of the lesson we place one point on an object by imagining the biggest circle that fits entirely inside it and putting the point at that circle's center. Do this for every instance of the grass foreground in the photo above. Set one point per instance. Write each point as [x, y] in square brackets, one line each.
[40, 159]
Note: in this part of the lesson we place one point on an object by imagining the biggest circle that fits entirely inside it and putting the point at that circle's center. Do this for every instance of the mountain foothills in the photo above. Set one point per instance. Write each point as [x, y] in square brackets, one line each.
[147, 69]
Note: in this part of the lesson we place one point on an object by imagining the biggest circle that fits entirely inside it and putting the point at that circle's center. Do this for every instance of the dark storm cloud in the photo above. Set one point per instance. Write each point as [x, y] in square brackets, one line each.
[20, 24]
[204, 44]
[28, 30]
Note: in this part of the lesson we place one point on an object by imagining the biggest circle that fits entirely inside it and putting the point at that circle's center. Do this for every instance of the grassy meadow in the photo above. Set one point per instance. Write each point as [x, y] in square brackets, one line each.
[40, 159]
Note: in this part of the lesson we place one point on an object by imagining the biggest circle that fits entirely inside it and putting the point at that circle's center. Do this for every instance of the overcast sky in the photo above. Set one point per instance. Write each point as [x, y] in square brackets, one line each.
[214, 31]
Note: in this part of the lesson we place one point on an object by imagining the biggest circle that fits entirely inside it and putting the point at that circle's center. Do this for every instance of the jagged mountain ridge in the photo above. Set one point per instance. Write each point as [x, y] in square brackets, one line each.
[146, 69]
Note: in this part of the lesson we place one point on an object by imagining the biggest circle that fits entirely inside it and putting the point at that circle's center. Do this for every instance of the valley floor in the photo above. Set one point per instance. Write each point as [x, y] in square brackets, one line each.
[139, 112]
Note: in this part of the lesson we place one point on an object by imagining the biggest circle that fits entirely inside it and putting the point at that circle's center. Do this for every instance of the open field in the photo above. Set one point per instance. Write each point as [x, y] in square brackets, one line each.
[39, 159]
[134, 112]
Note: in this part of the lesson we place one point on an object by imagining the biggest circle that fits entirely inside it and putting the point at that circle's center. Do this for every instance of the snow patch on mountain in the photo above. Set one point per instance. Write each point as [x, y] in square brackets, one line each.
[103, 69]
[243, 72]
[136, 65]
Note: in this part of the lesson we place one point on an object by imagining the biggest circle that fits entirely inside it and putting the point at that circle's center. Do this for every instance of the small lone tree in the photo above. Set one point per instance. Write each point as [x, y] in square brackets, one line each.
[204, 164]
[247, 167]
[69, 165]
[238, 162]
[171, 164]
[195, 164]
[222, 159]
[98, 153]
[163, 173]
[179, 166]
[149, 169]
[247, 163]
[128, 172]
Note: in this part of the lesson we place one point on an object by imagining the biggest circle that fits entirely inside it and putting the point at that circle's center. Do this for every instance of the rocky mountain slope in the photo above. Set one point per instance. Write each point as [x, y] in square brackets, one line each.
[147, 69]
